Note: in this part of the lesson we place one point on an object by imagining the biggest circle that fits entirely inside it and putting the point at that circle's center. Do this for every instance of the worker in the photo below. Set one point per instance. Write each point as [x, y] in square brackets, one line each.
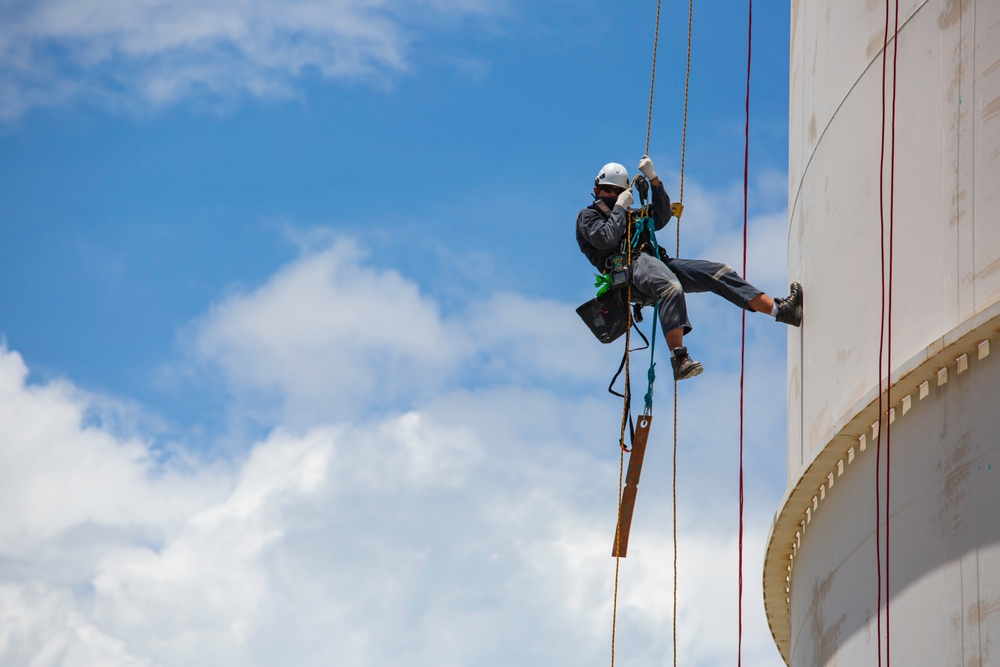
[600, 233]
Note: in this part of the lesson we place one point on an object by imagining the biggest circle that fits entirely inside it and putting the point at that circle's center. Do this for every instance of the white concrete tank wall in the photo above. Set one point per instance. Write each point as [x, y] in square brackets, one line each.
[820, 566]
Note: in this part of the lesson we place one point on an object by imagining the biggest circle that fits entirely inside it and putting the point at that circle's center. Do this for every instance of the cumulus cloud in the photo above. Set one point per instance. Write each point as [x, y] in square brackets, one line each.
[432, 489]
[328, 336]
[423, 538]
[713, 224]
[51, 458]
[40, 625]
[154, 52]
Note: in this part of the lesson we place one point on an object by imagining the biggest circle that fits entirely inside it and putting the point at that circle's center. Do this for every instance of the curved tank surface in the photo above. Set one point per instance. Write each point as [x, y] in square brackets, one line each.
[820, 570]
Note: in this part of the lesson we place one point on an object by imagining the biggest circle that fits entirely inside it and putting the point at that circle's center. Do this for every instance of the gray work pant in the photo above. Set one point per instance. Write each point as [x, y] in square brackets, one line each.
[669, 281]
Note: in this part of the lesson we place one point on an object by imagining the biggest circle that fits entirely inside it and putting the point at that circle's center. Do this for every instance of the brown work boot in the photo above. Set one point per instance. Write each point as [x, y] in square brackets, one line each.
[684, 366]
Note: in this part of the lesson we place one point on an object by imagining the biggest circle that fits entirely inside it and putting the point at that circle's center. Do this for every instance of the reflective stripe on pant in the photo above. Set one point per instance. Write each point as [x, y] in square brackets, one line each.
[669, 281]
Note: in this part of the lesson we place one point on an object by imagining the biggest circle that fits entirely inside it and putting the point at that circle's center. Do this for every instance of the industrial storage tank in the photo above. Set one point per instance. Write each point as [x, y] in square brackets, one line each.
[821, 573]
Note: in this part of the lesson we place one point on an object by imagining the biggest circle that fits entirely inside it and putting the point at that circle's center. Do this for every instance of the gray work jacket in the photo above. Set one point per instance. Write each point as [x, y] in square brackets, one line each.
[600, 237]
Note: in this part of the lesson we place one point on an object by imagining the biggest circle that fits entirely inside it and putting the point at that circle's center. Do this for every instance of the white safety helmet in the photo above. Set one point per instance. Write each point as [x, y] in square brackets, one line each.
[612, 174]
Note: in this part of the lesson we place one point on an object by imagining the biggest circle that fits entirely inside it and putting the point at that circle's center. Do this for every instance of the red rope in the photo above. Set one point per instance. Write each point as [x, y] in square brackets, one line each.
[888, 428]
[885, 330]
[743, 326]
[881, 344]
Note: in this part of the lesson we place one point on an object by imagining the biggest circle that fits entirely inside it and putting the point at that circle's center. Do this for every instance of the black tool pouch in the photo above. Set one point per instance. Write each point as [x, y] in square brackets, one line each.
[606, 316]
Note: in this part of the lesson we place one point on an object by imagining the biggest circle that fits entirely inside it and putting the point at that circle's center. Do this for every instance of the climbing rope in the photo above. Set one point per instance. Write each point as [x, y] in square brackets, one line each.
[627, 392]
[627, 398]
[885, 330]
[743, 325]
[677, 253]
[888, 360]
[652, 78]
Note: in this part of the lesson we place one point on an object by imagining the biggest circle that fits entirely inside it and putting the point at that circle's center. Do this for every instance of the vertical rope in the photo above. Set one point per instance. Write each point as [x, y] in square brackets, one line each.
[628, 347]
[677, 253]
[687, 90]
[674, 613]
[888, 427]
[621, 440]
[743, 325]
[881, 358]
[614, 612]
[652, 78]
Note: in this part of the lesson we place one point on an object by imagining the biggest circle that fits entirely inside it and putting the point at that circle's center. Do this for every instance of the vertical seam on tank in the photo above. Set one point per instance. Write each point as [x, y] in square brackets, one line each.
[958, 181]
[975, 41]
[961, 610]
[979, 609]
[802, 397]
[812, 154]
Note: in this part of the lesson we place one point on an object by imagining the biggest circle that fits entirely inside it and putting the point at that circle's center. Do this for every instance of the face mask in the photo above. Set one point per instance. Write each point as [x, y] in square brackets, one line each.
[609, 201]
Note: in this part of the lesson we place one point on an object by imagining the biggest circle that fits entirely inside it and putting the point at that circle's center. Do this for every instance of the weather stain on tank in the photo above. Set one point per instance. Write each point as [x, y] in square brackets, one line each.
[844, 354]
[795, 19]
[978, 616]
[992, 109]
[812, 129]
[959, 67]
[952, 505]
[989, 269]
[875, 44]
[959, 213]
[819, 427]
[825, 636]
[982, 610]
[952, 13]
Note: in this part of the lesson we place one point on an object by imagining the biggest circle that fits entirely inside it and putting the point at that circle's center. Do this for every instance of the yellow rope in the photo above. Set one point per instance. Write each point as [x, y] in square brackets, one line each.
[674, 615]
[687, 89]
[621, 441]
[652, 78]
[687, 92]
[628, 337]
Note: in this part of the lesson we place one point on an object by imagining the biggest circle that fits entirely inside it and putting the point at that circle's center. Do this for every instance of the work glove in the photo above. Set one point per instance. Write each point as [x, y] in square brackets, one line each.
[646, 167]
[625, 199]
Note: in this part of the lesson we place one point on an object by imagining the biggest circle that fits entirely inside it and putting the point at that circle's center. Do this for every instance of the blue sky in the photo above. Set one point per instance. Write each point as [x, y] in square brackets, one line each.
[240, 238]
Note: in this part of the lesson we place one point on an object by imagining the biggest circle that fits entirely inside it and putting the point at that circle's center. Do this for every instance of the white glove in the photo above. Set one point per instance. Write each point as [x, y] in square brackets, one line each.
[646, 167]
[625, 199]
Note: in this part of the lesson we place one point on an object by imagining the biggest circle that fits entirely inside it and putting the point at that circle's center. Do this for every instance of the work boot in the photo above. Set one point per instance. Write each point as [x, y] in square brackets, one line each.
[790, 308]
[684, 366]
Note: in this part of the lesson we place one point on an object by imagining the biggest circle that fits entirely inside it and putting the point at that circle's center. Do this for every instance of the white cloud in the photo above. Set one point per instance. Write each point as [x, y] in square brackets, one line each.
[327, 333]
[712, 229]
[40, 626]
[147, 53]
[472, 525]
[56, 473]
[451, 535]
[327, 337]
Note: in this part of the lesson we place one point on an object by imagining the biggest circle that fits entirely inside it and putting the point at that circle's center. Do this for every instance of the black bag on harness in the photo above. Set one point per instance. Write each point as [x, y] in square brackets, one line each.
[606, 316]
